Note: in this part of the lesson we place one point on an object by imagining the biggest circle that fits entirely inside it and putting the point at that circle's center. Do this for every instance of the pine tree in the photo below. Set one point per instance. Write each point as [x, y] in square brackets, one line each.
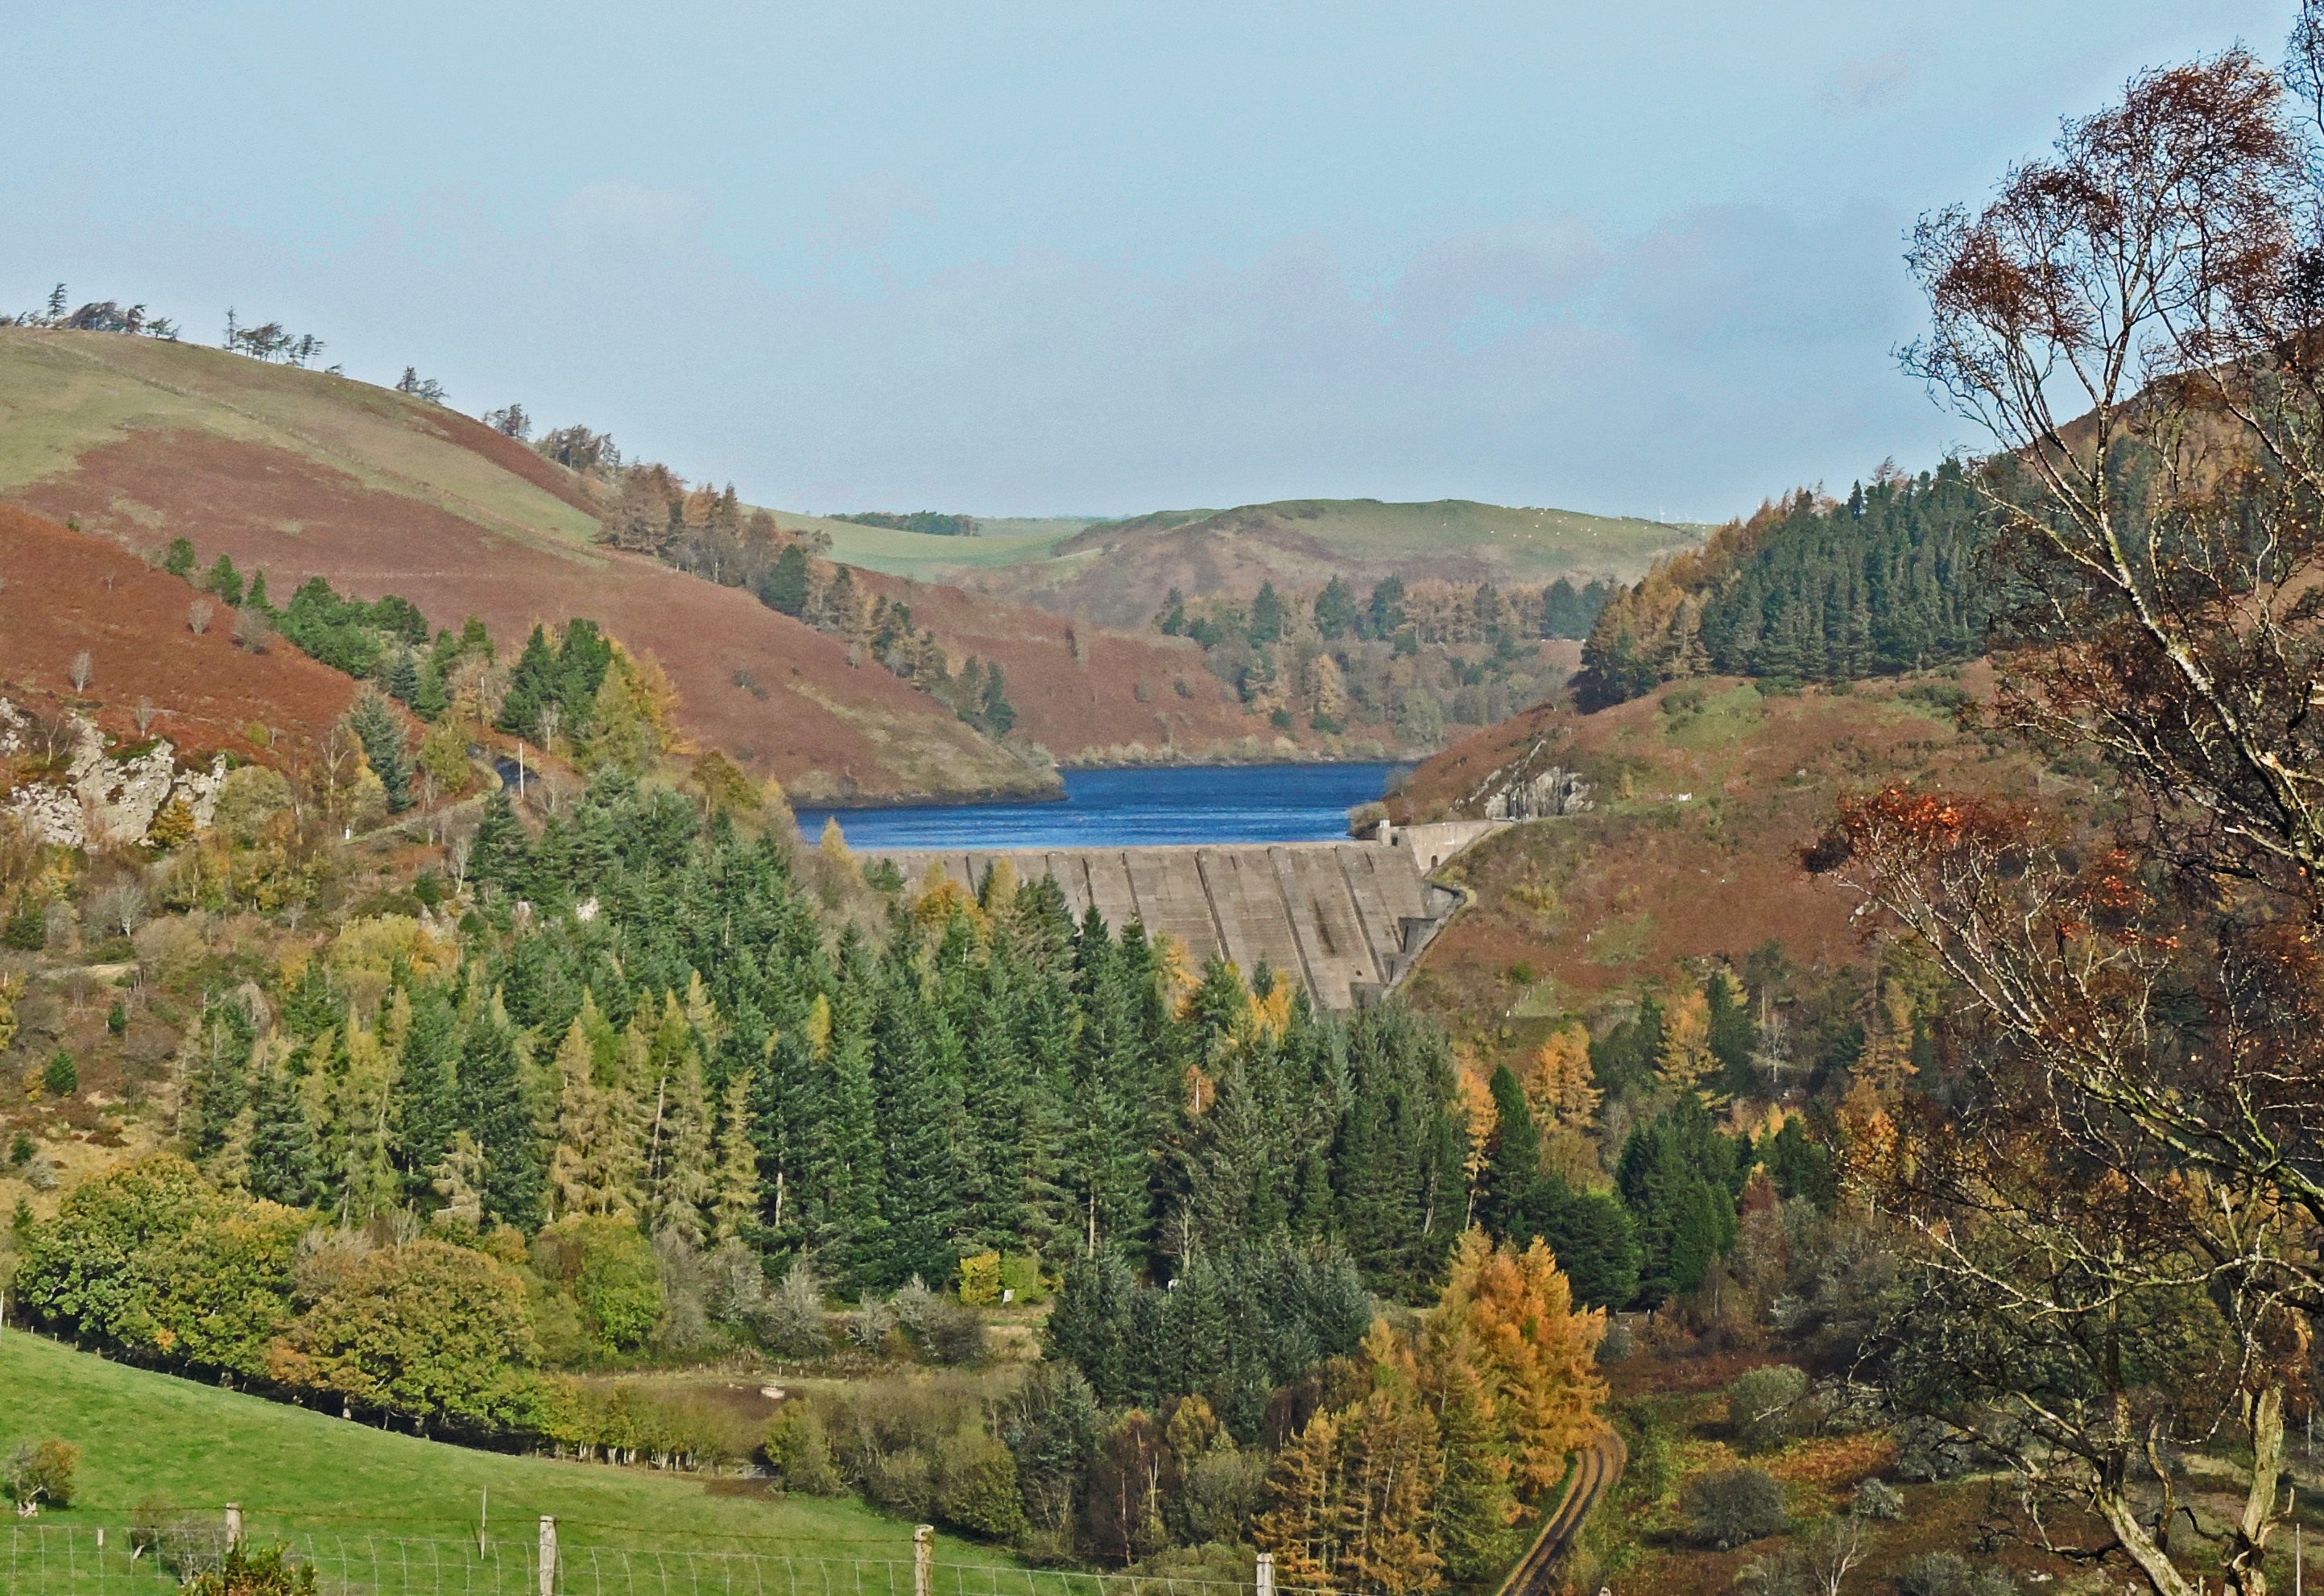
[534, 683]
[1474, 1509]
[282, 1148]
[677, 1138]
[426, 1105]
[916, 1082]
[501, 853]
[1510, 1203]
[494, 1111]
[432, 695]
[734, 1194]
[366, 1114]
[785, 586]
[402, 682]
[376, 727]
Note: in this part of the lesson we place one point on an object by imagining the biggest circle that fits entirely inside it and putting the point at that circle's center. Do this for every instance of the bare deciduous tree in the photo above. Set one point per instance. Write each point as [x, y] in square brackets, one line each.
[198, 616]
[252, 630]
[80, 671]
[119, 905]
[145, 713]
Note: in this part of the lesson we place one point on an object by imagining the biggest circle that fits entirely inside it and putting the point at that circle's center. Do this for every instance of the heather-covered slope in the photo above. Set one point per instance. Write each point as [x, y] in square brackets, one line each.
[301, 474]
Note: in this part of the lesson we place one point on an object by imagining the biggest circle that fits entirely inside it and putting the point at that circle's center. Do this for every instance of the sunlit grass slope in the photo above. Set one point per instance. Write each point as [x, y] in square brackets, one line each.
[144, 1435]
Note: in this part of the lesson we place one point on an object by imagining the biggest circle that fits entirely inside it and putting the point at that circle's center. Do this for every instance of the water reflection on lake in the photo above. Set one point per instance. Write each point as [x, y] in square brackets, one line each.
[1122, 809]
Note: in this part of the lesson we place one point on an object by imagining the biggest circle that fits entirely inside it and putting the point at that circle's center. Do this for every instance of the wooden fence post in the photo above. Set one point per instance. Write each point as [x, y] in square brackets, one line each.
[548, 1555]
[1266, 1573]
[233, 1523]
[924, 1560]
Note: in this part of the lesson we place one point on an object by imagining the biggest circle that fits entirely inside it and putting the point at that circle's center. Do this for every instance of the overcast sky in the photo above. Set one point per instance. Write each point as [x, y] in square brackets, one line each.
[1624, 256]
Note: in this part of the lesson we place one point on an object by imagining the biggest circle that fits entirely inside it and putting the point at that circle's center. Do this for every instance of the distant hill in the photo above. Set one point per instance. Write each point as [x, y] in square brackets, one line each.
[300, 474]
[1118, 573]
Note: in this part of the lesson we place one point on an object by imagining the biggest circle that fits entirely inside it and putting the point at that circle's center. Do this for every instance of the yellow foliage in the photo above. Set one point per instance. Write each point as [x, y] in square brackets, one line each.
[1686, 1057]
[980, 1279]
[1482, 1115]
[377, 943]
[1271, 1015]
[1516, 1311]
[818, 1026]
[1558, 1081]
[636, 714]
[12, 987]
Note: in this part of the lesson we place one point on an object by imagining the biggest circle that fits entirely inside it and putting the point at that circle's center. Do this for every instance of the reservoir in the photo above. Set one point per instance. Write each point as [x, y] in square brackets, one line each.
[1147, 807]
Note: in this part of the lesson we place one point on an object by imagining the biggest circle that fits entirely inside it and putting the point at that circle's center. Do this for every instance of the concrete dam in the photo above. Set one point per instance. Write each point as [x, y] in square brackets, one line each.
[1344, 919]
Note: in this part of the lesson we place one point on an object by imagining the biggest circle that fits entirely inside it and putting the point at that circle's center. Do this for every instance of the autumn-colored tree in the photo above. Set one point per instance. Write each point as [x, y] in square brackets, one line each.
[1686, 1060]
[1517, 1311]
[593, 1169]
[1558, 1081]
[1303, 1524]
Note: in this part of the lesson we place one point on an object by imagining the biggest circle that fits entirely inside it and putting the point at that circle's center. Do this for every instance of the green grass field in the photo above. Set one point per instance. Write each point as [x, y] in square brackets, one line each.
[926, 558]
[293, 1470]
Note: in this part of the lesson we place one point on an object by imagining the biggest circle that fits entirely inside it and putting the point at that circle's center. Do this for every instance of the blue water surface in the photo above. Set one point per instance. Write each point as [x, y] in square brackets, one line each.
[1123, 808]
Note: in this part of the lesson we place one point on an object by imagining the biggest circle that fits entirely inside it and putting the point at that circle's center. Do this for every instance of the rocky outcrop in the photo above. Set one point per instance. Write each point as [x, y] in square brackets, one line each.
[1531, 787]
[104, 801]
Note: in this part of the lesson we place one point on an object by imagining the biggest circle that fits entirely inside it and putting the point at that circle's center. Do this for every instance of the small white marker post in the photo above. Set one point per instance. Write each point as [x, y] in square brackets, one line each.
[233, 1523]
[548, 1555]
[1266, 1573]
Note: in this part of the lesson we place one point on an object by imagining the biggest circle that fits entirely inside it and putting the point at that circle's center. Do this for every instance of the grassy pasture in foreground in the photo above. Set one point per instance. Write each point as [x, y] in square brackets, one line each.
[144, 1435]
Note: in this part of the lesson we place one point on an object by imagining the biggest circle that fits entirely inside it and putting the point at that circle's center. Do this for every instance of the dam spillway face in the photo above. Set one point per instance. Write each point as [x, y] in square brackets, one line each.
[1344, 919]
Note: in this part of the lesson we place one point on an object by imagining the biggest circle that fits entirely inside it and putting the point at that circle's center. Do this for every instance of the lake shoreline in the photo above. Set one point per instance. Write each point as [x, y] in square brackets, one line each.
[1126, 807]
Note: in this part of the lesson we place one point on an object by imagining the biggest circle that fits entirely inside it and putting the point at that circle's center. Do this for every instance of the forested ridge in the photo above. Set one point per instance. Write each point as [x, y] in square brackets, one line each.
[1808, 589]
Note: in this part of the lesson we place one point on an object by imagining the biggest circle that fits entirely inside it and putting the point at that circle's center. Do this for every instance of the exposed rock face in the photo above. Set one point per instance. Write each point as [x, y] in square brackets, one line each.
[1554, 792]
[1531, 787]
[105, 802]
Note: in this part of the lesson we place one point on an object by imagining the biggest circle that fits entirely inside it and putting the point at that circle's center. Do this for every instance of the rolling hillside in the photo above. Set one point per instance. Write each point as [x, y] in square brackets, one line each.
[1117, 572]
[1699, 798]
[146, 1437]
[301, 474]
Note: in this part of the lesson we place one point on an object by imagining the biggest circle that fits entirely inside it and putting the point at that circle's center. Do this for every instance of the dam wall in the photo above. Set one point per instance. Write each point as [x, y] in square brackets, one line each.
[1344, 919]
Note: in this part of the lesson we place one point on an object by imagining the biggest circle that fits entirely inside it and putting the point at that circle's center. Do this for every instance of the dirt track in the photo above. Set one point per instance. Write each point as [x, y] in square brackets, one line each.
[1600, 1466]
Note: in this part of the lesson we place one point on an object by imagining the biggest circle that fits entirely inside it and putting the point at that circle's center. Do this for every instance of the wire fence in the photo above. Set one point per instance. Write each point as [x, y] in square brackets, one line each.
[86, 1560]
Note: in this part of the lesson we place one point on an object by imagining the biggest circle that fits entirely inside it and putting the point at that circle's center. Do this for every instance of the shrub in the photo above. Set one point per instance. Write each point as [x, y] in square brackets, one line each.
[1936, 1574]
[791, 1321]
[60, 1077]
[977, 1488]
[1733, 1507]
[1761, 1405]
[951, 1334]
[903, 1483]
[1877, 1499]
[256, 1571]
[798, 1451]
[980, 1279]
[1020, 1279]
[41, 1472]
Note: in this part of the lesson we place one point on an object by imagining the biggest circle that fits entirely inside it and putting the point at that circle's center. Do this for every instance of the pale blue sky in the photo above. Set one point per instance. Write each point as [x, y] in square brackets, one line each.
[1638, 258]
